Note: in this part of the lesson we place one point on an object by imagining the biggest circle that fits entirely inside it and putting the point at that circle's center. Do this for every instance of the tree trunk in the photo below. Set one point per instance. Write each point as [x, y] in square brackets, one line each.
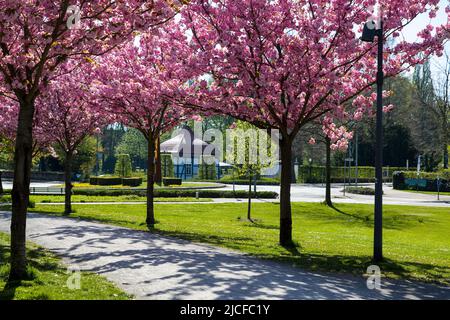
[328, 173]
[158, 171]
[150, 182]
[21, 189]
[294, 178]
[285, 192]
[1, 184]
[249, 207]
[445, 131]
[68, 183]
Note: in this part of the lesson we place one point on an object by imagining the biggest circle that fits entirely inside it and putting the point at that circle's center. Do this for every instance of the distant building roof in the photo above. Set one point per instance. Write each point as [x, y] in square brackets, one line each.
[185, 144]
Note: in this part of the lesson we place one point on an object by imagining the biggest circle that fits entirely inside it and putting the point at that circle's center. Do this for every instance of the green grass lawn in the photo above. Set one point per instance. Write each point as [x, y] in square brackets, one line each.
[131, 198]
[416, 239]
[48, 279]
[87, 199]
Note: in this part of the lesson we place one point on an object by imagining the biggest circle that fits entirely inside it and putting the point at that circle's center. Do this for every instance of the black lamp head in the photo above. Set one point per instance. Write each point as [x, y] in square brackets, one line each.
[369, 31]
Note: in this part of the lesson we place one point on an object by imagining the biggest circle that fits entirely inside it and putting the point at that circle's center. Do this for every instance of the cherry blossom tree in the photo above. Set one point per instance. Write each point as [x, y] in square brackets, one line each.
[36, 37]
[283, 64]
[9, 117]
[70, 117]
[136, 83]
[9, 113]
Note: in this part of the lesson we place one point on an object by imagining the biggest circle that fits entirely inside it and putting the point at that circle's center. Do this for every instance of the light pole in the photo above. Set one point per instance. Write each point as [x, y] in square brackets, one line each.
[369, 34]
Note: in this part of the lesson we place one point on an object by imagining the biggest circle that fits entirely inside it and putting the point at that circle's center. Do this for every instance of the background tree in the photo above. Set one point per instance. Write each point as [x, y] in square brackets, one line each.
[425, 119]
[70, 118]
[84, 159]
[123, 166]
[133, 143]
[442, 105]
[167, 166]
[110, 139]
[246, 158]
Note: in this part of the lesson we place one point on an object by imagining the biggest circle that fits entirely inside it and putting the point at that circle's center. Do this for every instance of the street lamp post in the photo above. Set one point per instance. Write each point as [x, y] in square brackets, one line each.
[369, 34]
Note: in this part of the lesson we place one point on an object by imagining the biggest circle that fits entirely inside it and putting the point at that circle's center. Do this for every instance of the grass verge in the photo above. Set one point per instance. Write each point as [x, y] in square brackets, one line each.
[87, 199]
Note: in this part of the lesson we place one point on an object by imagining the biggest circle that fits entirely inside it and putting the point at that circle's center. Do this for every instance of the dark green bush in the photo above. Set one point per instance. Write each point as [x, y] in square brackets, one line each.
[109, 181]
[360, 190]
[93, 181]
[242, 181]
[172, 182]
[132, 182]
[316, 174]
[398, 180]
[426, 181]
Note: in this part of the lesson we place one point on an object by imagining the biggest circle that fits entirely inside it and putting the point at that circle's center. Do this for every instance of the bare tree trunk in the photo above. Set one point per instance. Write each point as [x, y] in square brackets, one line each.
[150, 182]
[249, 207]
[158, 172]
[294, 178]
[1, 184]
[328, 173]
[445, 146]
[21, 189]
[68, 183]
[285, 192]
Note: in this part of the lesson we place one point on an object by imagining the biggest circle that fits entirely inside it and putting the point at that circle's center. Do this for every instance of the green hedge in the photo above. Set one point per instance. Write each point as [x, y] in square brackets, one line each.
[172, 182]
[242, 181]
[361, 190]
[105, 181]
[175, 193]
[132, 182]
[317, 174]
[115, 181]
[426, 181]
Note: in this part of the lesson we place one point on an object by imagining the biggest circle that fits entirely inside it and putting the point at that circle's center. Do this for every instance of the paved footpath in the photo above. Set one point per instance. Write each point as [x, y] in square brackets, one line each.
[151, 266]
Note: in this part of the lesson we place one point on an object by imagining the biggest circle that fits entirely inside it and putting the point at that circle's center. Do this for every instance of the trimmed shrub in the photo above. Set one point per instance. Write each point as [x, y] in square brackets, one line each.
[361, 190]
[132, 182]
[176, 193]
[316, 174]
[426, 181]
[242, 181]
[398, 180]
[172, 182]
[109, 181]
[93, 181]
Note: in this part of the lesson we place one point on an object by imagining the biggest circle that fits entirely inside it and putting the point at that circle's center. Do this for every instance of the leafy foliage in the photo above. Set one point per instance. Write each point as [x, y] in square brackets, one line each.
[123, 167]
